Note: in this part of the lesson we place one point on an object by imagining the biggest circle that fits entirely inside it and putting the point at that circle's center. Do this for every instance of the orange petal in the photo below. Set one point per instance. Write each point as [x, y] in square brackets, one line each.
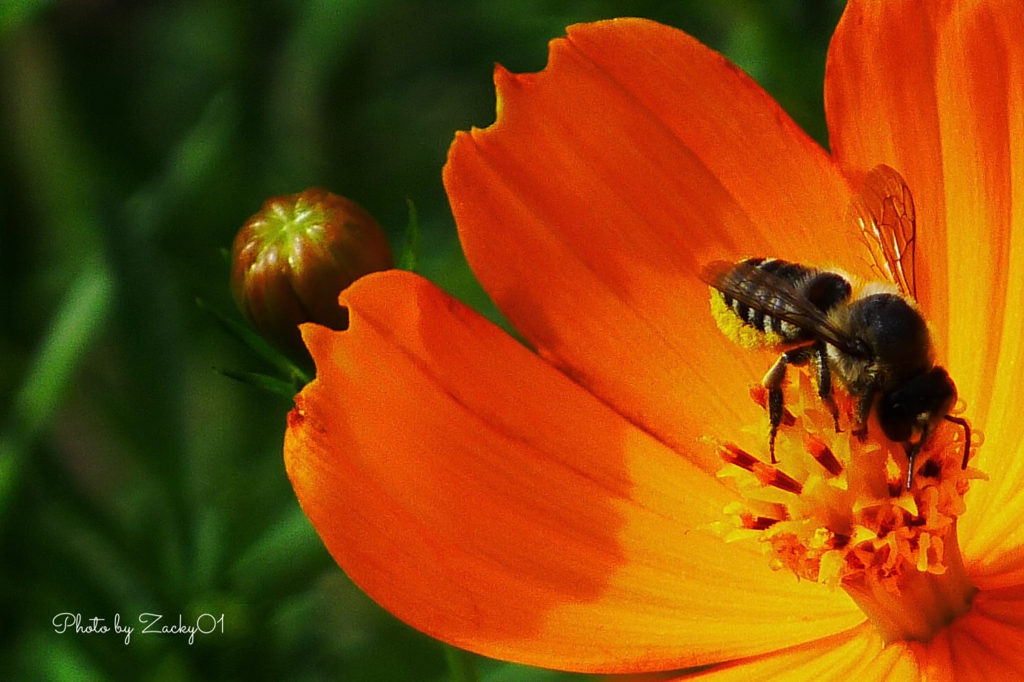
[881, 106]
[937, 91]
[987, 643]
[486, 499]
[637, 156]
[858, 654]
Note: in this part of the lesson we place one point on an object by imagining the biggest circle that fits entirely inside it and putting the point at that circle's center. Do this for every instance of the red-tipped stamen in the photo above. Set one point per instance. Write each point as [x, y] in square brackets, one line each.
[770, 475]
[732, 454]
[823, 454]
[752, 522]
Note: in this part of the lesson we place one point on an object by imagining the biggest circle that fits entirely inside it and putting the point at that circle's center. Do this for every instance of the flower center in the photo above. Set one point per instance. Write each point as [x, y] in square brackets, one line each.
[835, 510]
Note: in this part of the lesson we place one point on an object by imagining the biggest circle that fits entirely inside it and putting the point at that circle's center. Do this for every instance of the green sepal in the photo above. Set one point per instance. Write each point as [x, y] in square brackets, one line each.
[264, 382]
[295, 375]
[461, 664]
[412, 247]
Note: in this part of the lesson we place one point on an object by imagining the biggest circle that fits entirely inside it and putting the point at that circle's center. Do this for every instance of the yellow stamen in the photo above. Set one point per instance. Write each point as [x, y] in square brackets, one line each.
[835, 510]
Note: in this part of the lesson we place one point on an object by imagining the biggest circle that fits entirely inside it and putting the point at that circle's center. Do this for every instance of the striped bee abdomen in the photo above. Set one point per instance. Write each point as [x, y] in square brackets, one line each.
[759, 302]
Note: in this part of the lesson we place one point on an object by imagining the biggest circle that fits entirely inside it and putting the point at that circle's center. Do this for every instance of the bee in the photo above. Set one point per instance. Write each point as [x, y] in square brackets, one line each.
[873, 340]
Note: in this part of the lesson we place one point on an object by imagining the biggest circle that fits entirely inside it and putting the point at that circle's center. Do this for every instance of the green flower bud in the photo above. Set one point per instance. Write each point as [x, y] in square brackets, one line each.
[290, 261]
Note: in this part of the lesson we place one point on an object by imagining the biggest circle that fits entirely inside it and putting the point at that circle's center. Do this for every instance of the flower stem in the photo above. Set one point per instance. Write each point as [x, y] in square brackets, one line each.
[461, 664]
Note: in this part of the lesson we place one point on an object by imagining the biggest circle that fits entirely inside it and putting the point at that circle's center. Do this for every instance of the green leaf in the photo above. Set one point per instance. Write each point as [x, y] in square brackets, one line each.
[14, 13]
[81, 317]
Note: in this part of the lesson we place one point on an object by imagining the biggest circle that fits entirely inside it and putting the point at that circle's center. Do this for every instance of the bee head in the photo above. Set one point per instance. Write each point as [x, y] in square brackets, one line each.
[916, 405]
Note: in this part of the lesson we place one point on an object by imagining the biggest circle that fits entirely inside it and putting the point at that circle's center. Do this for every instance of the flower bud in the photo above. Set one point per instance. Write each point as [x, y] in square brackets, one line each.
[290, 261]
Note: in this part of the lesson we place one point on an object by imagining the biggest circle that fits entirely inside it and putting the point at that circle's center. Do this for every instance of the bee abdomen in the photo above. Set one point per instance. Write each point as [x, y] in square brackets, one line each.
[758, 319]
[754, 291]
[784, 270]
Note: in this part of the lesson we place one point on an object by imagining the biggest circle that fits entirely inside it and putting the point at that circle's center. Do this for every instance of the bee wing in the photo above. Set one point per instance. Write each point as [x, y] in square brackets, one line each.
[883, 212]
[747, 283]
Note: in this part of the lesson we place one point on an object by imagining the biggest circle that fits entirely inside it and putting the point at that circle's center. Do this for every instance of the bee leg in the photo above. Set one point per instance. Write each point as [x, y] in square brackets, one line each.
[775, 409]
[864, 411]
[773, 381]
[825, 382]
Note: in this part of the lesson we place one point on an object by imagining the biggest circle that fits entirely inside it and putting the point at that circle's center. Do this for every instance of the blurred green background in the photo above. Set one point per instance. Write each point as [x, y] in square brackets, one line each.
[137, 137]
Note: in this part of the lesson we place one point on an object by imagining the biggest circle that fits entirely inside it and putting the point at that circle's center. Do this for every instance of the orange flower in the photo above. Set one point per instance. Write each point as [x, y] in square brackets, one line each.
[565, 507]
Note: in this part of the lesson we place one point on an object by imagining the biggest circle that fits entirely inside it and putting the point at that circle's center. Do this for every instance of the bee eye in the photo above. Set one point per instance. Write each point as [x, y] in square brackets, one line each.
[896, 420]
[915, 403]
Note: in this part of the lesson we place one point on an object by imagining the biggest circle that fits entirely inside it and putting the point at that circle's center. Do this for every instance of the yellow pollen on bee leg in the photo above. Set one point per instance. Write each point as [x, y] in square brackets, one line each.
[735, 328]
[835, 510]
